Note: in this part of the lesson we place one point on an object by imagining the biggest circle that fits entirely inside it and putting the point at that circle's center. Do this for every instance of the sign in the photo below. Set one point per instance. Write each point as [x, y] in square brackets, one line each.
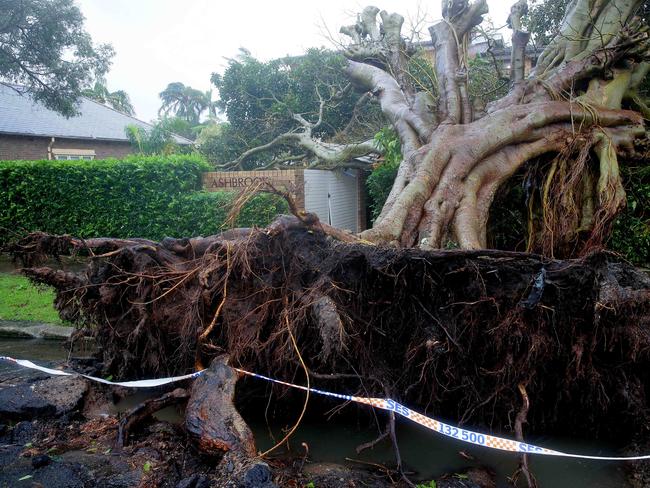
[240, 180]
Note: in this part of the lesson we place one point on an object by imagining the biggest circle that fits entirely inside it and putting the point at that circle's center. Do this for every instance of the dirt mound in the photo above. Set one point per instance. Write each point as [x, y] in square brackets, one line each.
[455, 333]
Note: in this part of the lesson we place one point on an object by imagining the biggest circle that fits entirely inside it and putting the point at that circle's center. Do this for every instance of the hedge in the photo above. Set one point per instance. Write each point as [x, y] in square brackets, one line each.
[150, 197]
[204, 213]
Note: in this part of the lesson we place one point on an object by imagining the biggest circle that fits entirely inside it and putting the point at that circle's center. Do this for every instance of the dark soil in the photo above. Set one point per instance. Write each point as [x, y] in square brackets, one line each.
[457, 333]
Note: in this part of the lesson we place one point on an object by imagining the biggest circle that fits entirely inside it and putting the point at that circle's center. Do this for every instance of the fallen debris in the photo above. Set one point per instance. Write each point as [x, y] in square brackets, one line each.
[211, 418]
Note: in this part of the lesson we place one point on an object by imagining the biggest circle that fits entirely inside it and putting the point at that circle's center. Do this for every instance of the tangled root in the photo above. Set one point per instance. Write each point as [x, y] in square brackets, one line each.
[450, 332]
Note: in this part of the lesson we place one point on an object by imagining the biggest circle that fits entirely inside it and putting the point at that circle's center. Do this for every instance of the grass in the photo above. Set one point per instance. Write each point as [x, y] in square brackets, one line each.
[20, 300]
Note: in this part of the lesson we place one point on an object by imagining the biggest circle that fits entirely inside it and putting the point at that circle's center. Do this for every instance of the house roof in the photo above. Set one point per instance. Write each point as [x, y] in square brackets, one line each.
[20, 114]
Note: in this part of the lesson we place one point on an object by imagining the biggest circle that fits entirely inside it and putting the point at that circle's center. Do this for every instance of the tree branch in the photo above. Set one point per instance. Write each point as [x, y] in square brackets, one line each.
[519, 42]
[411, 129]
[328, 153]
[586, 27]
[279, 140]
[450, 38]
[631, 43]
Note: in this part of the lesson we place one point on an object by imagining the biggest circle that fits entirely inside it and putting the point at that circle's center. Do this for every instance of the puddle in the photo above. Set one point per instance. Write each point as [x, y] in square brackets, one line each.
[423, 451]
[431, 455]
[65, 263]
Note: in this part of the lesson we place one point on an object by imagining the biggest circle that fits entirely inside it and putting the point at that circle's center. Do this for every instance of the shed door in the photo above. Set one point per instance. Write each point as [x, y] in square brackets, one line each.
[332, 195]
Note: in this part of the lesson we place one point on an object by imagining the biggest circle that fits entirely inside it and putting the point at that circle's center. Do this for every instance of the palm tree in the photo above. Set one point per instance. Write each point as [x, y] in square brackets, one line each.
[184, 102]
[212, 105]
[119, 100]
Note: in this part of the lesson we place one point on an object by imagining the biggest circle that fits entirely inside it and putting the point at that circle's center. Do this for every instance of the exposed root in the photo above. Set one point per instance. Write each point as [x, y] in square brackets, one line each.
[304, 406]
[522, 418]
[144, 410]
[438, 330]
[575, 194]
[211, 418]
[369, 445]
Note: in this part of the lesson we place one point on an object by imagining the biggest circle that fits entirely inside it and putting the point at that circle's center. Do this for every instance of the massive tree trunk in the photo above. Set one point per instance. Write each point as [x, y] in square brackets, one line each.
[568, 110]
[454, 160]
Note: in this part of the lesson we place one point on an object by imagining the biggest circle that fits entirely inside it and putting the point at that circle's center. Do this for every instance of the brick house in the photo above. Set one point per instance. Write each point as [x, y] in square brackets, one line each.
[29, 130]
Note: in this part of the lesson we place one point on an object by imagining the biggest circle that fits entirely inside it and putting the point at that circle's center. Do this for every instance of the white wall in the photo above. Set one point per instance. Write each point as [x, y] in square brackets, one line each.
[333, 196]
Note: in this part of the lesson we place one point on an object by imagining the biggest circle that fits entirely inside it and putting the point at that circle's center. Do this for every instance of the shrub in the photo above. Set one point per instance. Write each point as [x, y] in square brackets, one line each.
[150, 197]
[380, 181]
[205, 213]
[631, 232]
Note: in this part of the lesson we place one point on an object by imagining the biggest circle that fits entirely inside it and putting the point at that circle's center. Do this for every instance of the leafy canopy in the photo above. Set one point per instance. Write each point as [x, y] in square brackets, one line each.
[119, 100]
[158, 140]
[259, 99]
[184, 102]
[44, 47]
[219, 142]
[543, 19]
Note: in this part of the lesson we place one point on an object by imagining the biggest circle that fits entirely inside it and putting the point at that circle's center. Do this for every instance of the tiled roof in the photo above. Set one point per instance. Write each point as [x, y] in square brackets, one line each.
[21, 115]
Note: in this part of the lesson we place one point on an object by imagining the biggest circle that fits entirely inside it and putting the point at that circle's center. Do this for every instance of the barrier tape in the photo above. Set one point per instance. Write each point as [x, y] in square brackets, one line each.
[129, 384]
[464, 435]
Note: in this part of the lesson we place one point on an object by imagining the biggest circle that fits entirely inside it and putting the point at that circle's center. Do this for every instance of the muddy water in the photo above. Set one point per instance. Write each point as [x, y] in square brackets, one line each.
[66, 263]
[431, 455]
[424, 452]
[38, 349]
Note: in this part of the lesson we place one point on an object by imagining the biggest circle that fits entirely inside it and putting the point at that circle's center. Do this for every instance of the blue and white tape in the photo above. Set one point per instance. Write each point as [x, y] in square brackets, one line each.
[464, 435]
[129, 384]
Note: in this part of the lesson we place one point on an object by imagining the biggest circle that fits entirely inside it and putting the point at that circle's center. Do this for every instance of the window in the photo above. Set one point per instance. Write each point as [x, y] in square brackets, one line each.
[74, 154]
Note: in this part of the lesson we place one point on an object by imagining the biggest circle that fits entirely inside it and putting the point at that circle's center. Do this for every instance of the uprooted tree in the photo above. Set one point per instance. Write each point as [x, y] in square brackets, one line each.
[455, 159]
[568, 113]
[467, 333]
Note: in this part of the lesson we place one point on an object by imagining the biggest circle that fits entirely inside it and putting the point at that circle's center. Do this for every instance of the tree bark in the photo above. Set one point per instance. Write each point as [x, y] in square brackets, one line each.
[451, 170]
[211, 418]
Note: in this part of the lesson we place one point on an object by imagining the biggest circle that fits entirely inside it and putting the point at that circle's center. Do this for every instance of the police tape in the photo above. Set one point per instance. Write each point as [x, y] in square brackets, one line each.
[464, 435]
[129, 384]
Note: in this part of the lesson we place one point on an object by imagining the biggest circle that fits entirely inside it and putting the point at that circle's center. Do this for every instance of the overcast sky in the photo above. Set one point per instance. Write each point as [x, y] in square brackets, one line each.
[160, 41]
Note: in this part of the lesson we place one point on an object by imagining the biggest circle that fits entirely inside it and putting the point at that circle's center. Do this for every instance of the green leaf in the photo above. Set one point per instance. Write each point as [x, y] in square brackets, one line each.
[431, 484]
[146, 467]
[149, 197]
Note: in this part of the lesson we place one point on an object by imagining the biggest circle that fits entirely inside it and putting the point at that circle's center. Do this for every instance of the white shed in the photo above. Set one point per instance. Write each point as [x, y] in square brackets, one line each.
[336, 196]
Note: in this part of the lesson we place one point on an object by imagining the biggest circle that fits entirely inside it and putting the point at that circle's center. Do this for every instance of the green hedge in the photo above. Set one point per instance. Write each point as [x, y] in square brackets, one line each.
[204, 213]
[150, 197]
